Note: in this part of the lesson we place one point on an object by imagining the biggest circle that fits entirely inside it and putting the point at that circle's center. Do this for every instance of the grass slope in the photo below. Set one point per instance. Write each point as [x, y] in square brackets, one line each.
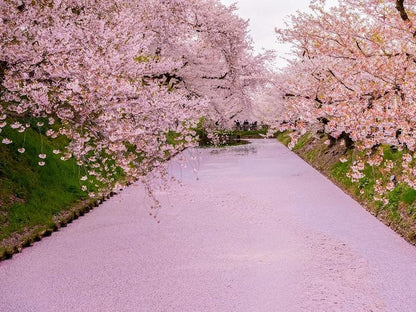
[32, 195]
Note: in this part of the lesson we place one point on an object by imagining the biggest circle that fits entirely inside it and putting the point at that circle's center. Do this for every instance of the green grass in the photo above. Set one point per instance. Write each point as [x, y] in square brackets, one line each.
[283, 137]
[401, 197]
[312, 154]
[408, 196]
[302, 141]
[249, 133]
[31, 194]
[339, 173]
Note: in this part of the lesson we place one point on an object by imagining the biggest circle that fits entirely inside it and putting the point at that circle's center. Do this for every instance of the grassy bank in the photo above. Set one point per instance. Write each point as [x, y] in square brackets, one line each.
[400, 211]
[34, 199]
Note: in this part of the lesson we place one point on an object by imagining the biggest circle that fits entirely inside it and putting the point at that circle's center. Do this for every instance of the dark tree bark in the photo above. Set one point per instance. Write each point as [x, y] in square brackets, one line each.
[401, 9]
[3, 67]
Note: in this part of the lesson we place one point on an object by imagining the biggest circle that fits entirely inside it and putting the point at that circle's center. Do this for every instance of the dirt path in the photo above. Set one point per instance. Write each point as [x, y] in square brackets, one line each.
[259, 231]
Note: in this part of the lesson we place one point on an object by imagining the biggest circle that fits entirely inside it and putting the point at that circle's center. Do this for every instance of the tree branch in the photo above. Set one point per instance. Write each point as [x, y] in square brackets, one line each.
[340, 81]
[402, 11]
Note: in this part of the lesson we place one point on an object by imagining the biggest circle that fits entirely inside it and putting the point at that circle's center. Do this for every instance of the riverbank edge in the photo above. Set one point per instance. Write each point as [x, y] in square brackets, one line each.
[327, 159]
[18, 241]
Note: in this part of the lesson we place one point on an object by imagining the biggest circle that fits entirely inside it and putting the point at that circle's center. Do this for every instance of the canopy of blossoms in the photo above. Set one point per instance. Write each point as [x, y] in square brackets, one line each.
[354, 76]
[117, 77]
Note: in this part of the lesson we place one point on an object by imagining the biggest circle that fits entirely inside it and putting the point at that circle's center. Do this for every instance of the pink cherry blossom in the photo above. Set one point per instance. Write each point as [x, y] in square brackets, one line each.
[353, 76]
[15, 125]
[116, 79]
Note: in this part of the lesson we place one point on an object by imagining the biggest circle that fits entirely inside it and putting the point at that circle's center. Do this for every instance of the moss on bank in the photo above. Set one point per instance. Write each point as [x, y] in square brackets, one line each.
[400, 211]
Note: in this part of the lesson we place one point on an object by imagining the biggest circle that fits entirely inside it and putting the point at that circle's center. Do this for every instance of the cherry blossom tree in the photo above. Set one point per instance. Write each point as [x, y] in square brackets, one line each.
[353, 77]
[118, 78]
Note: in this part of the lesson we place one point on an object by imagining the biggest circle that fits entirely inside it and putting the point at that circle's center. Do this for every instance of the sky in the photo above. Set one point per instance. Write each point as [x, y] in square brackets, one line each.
[264, 16]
